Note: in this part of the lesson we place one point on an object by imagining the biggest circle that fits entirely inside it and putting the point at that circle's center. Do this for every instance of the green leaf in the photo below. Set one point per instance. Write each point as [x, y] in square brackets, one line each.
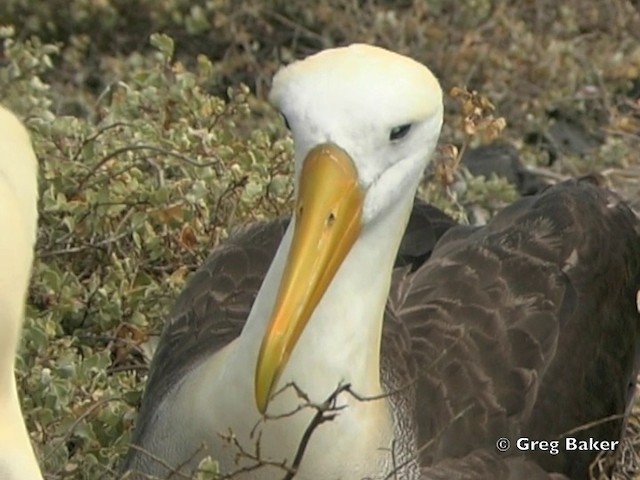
[164, 43]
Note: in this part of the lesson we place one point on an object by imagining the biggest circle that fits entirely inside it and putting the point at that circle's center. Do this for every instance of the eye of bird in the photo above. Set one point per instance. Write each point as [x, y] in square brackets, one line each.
[399, 132]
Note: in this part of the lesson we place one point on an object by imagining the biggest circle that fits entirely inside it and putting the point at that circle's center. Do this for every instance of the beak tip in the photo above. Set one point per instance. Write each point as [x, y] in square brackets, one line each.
[261, 404]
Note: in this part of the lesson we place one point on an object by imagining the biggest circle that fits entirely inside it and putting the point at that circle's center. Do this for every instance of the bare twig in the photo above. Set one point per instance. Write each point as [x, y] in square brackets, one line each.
[132, 148]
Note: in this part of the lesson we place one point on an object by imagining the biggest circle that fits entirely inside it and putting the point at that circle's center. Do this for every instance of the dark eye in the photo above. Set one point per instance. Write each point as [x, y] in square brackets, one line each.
[399, 132]
[286, 122]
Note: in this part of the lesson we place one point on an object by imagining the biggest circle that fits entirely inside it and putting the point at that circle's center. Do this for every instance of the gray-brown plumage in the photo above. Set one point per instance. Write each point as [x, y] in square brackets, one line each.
[530, 322]
[525, 327]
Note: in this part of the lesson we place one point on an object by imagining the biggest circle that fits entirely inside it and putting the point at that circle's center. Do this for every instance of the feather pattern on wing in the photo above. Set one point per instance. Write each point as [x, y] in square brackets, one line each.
[526, 327]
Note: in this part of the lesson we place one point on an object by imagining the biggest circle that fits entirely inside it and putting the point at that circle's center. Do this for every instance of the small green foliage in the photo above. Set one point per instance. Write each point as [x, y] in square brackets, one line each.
[492, 193]
[164, 44]
[208, 469]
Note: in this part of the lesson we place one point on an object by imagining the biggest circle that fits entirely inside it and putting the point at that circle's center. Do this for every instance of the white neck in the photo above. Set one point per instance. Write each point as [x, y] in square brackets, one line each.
[18, 219]
[340, 344]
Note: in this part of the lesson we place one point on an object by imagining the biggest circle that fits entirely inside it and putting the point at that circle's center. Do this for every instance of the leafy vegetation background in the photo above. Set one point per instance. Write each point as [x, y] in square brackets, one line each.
[154, 141]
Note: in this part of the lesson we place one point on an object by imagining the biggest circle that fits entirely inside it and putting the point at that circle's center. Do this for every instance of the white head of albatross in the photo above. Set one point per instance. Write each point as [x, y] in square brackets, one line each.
[18, 217]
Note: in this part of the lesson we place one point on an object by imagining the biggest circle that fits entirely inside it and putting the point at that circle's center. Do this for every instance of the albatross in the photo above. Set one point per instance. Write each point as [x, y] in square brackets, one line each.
[18, 218]
[526, 328]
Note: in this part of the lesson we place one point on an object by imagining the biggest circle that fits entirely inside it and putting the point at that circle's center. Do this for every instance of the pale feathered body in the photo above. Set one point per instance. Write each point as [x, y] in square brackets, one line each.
[18, 217]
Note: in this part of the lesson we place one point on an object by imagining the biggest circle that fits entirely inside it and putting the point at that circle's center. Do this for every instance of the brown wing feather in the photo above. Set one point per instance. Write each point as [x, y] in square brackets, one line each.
[525, 327]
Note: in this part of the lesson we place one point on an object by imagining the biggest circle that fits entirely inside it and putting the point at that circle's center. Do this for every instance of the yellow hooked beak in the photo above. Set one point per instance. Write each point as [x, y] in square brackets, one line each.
[328, 220]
